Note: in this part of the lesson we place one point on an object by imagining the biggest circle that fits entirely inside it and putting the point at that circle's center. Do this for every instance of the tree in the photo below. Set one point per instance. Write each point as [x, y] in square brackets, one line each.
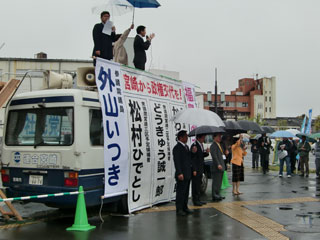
[282, 124]
[317, 124]
[258, 119]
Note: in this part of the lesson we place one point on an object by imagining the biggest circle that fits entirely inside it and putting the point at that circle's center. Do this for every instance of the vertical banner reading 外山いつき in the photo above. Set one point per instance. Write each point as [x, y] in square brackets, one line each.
[116, 147]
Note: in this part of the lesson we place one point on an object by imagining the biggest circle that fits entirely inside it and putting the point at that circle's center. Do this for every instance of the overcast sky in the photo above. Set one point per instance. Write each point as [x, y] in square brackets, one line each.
[241, 38]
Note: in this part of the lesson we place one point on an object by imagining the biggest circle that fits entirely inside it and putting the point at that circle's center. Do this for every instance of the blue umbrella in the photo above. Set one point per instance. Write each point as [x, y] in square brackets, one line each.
[282, 134]
[143, 4]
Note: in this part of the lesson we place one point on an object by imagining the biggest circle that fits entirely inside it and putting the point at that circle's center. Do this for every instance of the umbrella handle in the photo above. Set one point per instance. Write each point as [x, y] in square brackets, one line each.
[133, 15]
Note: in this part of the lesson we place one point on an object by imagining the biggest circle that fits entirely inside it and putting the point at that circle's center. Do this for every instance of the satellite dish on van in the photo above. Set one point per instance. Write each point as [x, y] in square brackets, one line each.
[86, 77]
[53, 80]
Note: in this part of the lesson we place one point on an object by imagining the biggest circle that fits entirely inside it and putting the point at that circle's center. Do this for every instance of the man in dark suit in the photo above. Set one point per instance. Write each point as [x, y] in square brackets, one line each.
[140, 46]
[183, 166]
[264, 144]
[102, 42]
[198, 153]
[218, 167]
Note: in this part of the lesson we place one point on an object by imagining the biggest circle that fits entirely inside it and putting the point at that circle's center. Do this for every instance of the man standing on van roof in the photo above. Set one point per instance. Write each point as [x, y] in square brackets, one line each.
[103, 35]
[140, 46]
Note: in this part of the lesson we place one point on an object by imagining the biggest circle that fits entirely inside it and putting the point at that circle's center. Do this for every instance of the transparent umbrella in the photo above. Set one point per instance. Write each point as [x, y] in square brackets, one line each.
[198, 117]
[115, 7]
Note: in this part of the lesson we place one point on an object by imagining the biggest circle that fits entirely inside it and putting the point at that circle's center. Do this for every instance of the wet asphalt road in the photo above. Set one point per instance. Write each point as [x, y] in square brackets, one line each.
[301, 220]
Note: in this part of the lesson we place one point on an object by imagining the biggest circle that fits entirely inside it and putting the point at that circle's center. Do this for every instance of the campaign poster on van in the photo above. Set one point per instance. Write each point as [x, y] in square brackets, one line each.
[158, 94]
[149, 102]
[116, 147]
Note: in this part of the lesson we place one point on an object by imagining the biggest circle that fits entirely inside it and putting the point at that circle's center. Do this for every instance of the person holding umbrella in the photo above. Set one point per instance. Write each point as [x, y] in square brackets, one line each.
[218, 166]
[238, 152]
[255, 153]
[285, 149]
[264, 144]
[303, 150]
[198, 153]
[119, 51]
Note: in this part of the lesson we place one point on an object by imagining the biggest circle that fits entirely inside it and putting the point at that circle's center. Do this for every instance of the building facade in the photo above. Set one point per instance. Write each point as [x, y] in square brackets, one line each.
[252, 98]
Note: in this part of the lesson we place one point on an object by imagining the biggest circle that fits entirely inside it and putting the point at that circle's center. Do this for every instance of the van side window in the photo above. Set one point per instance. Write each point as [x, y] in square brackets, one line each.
[96, 127]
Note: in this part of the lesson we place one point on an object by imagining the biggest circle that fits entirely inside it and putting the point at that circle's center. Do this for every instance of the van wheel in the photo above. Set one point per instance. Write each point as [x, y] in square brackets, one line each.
[123, 205]
[204, 183]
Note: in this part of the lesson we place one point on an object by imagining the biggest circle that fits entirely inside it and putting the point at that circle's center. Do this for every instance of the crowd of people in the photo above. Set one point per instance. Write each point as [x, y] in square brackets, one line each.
[189, 166]
[109, 45]
[231, 150]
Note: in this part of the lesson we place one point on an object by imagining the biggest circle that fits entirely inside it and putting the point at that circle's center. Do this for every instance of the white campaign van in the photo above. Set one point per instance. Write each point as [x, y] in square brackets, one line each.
[53, 141]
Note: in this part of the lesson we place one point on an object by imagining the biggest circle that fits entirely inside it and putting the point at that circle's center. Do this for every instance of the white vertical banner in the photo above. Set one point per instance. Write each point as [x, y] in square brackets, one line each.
[116, 146]
[175, 128]
[140, 185]
[162, 177]
[190, 95]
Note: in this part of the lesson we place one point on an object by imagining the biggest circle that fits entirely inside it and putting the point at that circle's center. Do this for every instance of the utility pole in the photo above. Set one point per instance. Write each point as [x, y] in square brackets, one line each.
[216, 93]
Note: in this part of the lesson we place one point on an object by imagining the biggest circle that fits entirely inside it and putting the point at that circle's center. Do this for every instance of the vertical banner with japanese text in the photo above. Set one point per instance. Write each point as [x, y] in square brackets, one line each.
[116, 147]
[140, 183]
[162, 152]
[190, 95]
[175, 128]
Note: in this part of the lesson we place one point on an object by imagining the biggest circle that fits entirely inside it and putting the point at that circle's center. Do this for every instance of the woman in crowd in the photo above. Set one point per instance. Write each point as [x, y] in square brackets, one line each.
[238, 152]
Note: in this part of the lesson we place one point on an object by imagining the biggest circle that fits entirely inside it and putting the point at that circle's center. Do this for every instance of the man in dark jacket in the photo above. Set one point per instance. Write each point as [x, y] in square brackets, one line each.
[218, 167]
[264, 144]
[198, 153]
[140, 46]
[304, 149]
[293, 155]
[103, 42]
[183, 166]
[285, 146]
[255, 153]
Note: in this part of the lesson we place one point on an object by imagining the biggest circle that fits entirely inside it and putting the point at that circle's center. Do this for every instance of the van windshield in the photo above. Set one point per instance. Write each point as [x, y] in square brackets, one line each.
[42, 126]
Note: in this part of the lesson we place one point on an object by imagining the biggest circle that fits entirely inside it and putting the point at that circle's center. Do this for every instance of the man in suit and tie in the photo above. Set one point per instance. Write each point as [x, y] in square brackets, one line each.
[218, 167]
[140, 46]
[102, 41]
[183, 166]
[198, 153]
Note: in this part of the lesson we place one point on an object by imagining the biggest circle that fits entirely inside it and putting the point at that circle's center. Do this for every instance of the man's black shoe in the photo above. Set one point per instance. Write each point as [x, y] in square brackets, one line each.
[203, 203]
[307, 175]
[197, 204]
[181, 213]
[216, 199]
[188, 211]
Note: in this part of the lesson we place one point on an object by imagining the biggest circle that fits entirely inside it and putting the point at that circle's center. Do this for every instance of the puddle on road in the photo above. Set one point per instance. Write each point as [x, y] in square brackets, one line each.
[286, 208]
[309, 188]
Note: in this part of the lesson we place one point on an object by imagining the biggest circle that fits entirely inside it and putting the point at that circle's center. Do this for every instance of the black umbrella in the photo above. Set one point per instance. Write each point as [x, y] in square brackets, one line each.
[233, 127]
[250, 126]
[206, 130]
[267, 129]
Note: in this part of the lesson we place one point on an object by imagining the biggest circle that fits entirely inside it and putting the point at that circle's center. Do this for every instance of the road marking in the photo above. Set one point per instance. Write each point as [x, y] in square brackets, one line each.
[236, 210]
[16, 225]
